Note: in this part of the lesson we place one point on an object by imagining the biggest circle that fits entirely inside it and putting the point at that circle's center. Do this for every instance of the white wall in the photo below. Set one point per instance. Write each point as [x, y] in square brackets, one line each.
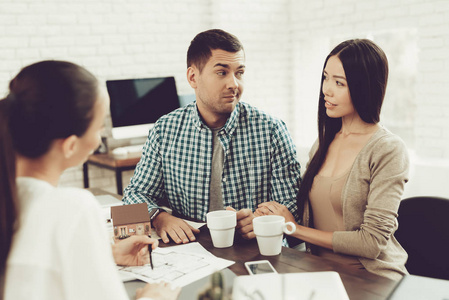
[285, 42]
[320, 24]
[140, 38]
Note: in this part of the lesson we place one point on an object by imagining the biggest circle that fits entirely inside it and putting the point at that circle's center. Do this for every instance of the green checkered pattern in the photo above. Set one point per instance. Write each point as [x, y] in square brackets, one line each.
[260, 163]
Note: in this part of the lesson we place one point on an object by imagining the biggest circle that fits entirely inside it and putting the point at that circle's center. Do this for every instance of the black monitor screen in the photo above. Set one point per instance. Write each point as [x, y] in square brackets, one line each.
[141, 101]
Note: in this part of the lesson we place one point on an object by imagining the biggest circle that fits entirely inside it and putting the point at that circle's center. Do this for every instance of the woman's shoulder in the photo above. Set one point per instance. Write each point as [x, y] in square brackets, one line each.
[385, 148]
[66, 201]
[384, 141]
[75, 197]
[33, 190]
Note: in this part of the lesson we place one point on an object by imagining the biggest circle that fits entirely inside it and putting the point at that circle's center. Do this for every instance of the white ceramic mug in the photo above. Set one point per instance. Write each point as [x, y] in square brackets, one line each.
[269, 231]
[221, 224]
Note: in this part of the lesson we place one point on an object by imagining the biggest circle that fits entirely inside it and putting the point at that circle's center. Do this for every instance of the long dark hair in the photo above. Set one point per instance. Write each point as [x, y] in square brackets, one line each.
[366, 70]
[46, 101]
[8, 204]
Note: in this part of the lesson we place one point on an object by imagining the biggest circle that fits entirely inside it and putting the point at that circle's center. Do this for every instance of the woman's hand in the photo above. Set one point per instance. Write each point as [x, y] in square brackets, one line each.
[274, 208]
[133, 251]
[158, 291]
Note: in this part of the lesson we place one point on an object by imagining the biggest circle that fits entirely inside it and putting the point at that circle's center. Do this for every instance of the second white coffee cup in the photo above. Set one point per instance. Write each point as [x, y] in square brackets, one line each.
[221, 224]
[269, 231]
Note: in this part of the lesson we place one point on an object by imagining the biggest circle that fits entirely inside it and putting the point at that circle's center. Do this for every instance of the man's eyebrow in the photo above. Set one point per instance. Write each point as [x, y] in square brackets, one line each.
[221, 65]
[227, 66]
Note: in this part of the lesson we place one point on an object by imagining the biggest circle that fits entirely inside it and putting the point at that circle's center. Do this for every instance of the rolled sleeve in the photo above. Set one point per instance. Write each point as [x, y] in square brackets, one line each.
[388, 168]
[147, 183]
[286, 174]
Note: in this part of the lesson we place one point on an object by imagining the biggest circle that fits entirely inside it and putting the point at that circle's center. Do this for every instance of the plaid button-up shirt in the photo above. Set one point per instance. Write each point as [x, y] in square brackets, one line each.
[259, 163]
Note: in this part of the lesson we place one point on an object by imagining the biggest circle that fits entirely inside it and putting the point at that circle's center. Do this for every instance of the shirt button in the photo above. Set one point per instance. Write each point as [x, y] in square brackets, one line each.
[308, 250]
[224, 179]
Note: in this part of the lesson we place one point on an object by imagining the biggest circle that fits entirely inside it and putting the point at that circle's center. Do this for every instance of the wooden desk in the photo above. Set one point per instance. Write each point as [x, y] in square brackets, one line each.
[359, 284]
[108, 161]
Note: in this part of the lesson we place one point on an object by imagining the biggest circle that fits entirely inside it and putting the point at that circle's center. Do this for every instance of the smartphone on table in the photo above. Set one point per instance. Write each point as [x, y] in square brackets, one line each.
[259, 267]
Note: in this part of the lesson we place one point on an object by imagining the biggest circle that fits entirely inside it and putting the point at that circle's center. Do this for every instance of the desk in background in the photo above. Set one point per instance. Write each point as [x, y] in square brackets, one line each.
[108, 161]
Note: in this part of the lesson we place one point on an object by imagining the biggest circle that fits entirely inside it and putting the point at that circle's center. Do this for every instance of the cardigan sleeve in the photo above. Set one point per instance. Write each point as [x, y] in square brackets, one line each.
[372, 199]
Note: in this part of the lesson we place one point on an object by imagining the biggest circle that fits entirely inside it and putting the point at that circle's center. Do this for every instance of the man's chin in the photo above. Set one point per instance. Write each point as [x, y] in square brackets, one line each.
[229, 107]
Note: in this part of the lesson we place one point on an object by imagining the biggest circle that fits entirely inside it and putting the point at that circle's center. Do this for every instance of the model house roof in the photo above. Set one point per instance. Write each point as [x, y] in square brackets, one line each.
[130, 214]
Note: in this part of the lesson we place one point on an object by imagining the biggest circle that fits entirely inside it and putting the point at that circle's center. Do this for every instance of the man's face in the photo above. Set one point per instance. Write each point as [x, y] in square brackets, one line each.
[219, 85]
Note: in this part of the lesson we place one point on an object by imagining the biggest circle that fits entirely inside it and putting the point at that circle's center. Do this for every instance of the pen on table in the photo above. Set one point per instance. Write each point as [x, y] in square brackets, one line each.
[150, 249]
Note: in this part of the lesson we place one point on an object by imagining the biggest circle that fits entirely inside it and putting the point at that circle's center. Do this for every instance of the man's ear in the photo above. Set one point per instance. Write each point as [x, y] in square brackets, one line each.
[69, 146]
[192, 76]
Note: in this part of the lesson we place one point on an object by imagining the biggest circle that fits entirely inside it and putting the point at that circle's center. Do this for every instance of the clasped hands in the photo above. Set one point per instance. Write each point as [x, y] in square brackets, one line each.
[179, 231]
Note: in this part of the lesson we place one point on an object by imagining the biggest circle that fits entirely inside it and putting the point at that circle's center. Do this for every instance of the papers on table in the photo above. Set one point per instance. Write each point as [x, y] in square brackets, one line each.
[419, 287]
[179, 265]
[196, 225]
[106, 201]
[294, 286]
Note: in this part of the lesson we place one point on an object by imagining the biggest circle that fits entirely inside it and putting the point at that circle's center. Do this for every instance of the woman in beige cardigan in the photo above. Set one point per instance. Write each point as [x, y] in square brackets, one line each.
[357, 170]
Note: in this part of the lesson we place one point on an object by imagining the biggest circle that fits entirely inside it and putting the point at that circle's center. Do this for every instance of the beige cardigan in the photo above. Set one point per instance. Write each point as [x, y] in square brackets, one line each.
[371, 199]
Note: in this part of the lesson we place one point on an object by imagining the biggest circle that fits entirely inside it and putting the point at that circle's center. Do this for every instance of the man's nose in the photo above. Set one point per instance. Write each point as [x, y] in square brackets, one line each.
[232, 82]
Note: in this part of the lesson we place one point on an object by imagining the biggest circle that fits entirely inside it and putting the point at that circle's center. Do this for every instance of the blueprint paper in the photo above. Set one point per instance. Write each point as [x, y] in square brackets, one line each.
[179, 265]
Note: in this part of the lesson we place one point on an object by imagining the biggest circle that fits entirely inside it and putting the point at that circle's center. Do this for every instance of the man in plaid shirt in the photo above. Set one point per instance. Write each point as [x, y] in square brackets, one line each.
[216, 152]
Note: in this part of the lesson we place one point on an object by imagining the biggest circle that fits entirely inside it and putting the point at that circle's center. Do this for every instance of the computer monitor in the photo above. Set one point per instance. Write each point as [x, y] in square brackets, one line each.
[136, 104]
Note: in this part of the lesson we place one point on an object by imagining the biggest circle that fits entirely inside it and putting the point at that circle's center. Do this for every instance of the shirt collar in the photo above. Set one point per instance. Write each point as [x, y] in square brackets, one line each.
[228, 128]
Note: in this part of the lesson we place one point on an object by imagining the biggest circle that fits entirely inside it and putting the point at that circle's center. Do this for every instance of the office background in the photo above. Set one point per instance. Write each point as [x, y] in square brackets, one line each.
[286, 42]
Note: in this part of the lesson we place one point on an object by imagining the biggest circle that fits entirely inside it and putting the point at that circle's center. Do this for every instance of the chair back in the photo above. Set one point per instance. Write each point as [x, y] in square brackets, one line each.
[424, 233]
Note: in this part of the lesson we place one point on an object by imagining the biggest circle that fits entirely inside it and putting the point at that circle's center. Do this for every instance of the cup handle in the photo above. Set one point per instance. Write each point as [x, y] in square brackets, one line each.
[292, 225]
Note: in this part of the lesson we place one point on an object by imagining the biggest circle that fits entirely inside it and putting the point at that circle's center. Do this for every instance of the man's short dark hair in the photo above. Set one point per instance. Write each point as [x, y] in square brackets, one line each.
[203, 43]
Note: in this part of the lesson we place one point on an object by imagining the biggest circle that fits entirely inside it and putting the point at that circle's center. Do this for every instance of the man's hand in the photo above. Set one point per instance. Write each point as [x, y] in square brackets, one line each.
[245, 222]
[133, 251]
[179, 231]
[158, 291]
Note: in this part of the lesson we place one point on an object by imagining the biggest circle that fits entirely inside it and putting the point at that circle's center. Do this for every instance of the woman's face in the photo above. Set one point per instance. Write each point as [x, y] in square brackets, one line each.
[337, 98]
[91, 139]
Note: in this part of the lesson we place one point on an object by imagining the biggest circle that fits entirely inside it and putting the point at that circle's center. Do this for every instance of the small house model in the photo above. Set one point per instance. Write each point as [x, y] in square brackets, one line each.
[129, 220]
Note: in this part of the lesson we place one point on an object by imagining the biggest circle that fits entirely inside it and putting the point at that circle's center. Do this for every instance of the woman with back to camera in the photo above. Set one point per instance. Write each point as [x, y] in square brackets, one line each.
[53, 243]
[355, 178]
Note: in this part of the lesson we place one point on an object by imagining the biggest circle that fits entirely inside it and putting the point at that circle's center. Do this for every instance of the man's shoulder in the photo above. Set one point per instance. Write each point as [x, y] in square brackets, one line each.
[255, 114]
[176, 116]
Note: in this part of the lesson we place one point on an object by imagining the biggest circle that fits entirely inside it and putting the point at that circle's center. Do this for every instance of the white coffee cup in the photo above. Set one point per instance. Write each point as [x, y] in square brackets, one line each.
[221, 224]
[269, 231]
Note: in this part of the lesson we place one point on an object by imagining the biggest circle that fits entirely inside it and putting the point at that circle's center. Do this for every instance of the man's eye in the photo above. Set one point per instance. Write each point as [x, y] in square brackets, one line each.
[240, 74]
[221, 73]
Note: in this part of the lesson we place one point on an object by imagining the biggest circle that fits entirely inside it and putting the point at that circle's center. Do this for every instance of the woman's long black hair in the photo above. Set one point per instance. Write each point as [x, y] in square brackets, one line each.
[366, 70]
[46, 101]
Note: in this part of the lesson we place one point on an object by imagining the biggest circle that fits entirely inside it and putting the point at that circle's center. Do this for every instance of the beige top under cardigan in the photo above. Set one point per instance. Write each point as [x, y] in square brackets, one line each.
[371, 200]
[326, 204]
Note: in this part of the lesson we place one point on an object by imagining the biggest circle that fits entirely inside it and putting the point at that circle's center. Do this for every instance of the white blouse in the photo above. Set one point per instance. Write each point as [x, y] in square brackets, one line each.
[61, 249]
